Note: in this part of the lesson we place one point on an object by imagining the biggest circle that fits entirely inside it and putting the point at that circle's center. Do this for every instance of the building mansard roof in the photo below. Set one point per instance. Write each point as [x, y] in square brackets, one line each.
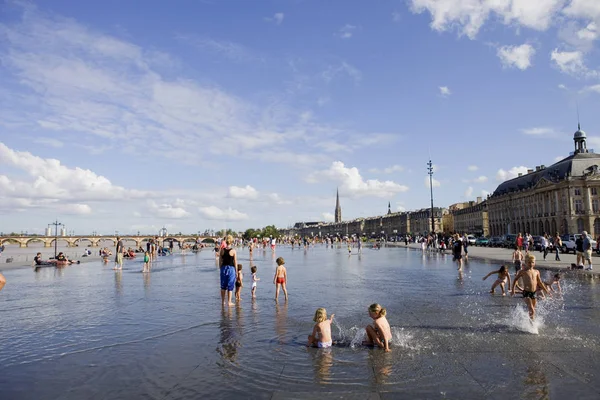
[576, 165]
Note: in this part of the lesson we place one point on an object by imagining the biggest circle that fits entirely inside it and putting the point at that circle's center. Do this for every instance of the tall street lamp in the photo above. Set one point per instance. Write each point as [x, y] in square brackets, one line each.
[430, 172]
[56, 225]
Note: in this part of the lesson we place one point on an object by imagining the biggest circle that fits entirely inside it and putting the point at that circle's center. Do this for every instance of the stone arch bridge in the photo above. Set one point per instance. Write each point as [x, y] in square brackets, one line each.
[94, 241]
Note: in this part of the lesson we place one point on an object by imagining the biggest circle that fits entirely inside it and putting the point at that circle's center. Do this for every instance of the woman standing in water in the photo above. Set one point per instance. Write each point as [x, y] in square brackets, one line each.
[227, 263]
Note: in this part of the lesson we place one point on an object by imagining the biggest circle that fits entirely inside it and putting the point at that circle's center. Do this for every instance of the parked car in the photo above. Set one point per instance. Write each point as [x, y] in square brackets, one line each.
[568, 243]
[537, 243]
[483, 241]
[495, 241]
[471, 239]
[509, 241]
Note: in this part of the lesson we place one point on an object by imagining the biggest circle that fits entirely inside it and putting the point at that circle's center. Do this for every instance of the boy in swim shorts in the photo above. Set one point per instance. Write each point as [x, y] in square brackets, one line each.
[531, 280]
[321, 334]
[280, 278]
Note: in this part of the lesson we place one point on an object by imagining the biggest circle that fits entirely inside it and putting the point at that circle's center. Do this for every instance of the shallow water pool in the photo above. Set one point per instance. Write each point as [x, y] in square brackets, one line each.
[87, 331]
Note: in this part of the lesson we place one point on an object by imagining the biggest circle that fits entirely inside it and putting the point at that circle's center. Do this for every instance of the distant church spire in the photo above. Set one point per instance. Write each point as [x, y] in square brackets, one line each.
[389, 207]
[338, 209]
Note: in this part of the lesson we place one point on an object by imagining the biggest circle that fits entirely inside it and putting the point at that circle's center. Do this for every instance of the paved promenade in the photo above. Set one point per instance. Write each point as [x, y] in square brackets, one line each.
[504, 256]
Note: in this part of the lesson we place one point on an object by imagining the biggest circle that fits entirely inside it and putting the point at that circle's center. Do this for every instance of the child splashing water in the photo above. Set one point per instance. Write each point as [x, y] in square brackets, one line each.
[321, 334]
[379, 334]
[531, 281]
[503, 276]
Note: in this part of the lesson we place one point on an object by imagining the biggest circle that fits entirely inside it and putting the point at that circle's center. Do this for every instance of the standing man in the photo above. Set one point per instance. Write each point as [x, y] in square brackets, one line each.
[579, 250]
[119, 255]
[587, 250]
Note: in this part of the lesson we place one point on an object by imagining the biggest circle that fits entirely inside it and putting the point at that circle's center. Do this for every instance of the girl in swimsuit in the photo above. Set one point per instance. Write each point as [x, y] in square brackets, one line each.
[321, 334]
[379, 334]
[254, 280]
[239, 282]
[280, 278]
[503, 275]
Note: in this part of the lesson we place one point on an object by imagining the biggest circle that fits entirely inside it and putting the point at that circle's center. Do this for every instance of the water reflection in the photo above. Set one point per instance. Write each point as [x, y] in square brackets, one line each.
[322, 360]
[536, 383]
[281, 321]
[228, 345]
[2, 285]
[147, 282]
[118, 283]
[381, 363]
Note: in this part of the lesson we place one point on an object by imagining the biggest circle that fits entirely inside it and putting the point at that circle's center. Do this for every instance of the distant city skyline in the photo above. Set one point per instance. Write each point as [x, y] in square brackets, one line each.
[235, 115]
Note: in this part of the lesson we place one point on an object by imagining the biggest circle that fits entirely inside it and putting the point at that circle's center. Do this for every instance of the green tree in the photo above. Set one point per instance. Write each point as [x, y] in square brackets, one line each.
[269, 231]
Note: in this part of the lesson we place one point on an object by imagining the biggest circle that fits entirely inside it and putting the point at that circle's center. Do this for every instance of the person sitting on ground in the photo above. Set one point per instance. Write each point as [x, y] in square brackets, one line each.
[321, 334]
[38, 260]
[379, 334]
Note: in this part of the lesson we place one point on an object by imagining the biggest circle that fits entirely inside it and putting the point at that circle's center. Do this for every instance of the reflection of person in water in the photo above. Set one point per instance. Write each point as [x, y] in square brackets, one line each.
[118, 283]
[322, 362]
[2, 281]
[227, 347]
[281, 321]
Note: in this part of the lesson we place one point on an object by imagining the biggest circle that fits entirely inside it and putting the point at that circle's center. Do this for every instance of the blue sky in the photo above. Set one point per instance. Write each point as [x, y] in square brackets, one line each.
[202, 115]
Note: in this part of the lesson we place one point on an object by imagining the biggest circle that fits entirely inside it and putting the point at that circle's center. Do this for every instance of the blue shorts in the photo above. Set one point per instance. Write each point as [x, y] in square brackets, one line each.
[227, 277]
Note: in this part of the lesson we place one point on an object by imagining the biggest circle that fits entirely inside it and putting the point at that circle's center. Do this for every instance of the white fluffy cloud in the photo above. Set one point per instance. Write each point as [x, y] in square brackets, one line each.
[468, 16]
[593, 88]
[328, 217]
[570, 62]
[469, 192]
[503, 175]
[387, 170]
[346, 31]
[166, 210]
[247, 192]
[445, 91]
[539, 131]
[51, 180]
[472, 167]
[216, 213]
[434, 182]
[516, 56]
[480, 179]
[352, 183]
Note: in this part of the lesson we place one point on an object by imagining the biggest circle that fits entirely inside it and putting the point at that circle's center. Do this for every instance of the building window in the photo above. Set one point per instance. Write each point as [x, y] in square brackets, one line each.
[578, 206]
[595, 205]
[577, 192]
[594, 191]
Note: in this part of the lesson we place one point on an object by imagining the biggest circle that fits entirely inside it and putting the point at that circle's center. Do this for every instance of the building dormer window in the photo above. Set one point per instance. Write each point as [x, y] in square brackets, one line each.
[577, 192]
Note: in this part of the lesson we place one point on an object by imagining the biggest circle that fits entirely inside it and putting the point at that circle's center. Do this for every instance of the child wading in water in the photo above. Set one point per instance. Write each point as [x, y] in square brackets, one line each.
[379, 334]
[254, 280]
[280, 278]
[239, 282]
[146, 262]
[531, 281]
[321, 334]
[550, 285]
[503, 275]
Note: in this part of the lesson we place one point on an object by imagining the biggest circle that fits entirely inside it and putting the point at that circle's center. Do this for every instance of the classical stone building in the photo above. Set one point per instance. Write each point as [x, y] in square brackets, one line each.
[472, 218]
[563, 197]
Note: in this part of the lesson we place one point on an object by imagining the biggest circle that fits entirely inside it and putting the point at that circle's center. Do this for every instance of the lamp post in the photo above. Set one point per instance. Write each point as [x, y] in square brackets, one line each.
[430, 172]
[56, 225]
